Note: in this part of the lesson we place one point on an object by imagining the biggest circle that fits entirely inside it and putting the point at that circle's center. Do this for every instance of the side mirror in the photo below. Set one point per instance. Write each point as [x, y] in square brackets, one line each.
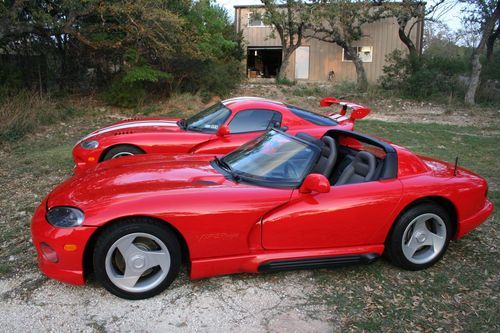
[315, 182]
[223, 130]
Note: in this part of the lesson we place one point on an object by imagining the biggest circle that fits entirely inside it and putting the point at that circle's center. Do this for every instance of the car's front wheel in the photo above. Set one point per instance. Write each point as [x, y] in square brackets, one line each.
[419, 237]
[121, 151]
[136, 259]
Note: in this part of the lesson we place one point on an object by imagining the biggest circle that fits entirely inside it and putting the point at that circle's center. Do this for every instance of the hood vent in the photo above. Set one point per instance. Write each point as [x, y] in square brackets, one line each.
[123, 133]
[134, 119]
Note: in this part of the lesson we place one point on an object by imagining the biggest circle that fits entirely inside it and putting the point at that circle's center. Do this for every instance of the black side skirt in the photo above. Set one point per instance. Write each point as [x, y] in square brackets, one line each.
[313, 263]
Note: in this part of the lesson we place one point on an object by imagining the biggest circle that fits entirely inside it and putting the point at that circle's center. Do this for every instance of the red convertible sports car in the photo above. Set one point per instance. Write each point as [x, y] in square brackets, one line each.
[278, 202]
[216, 130]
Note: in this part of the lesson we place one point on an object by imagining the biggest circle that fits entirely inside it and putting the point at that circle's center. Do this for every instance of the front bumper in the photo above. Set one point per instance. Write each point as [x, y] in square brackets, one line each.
[68, 243]
[474, 221]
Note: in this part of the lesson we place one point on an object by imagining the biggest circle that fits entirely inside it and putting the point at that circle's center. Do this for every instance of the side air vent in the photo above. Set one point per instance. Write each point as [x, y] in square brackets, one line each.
[206, 182]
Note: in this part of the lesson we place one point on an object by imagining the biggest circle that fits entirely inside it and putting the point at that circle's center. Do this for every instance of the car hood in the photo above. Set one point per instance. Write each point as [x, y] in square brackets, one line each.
[136, 125]
[137, 176]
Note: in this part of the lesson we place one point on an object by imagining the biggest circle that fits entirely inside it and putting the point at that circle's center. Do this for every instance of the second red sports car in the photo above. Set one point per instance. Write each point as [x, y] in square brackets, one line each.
[278, 202]
[217, 130]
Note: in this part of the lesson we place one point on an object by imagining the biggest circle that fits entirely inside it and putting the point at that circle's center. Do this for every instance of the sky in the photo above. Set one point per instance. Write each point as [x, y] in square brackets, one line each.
[451, 17]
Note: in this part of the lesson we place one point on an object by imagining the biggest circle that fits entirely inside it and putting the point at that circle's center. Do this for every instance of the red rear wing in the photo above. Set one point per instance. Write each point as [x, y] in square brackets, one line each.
[358, 111]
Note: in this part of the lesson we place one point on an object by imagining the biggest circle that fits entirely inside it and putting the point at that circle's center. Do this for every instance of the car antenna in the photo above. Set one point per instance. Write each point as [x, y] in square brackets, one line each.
[456, 165]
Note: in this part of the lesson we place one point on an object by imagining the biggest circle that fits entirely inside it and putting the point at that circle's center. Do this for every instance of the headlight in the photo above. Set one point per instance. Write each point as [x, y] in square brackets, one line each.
[65, 217]
[91, 144]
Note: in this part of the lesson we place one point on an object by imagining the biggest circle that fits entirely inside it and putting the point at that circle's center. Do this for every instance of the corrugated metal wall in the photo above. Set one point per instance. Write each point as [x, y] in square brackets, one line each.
[324, 57]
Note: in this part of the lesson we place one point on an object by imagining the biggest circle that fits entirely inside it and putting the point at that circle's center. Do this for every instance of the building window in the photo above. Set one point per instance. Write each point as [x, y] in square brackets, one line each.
[255, 20]
[365, 53]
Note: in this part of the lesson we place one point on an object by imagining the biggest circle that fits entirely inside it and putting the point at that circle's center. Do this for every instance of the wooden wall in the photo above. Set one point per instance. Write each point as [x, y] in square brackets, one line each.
[324, 57]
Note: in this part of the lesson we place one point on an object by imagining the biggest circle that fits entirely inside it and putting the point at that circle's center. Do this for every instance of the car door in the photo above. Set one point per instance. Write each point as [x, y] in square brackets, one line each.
[349, 215]
[243, 127]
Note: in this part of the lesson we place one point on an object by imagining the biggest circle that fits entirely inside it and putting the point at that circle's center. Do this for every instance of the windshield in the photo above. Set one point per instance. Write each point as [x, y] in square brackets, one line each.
[208, 120]
[274, 158]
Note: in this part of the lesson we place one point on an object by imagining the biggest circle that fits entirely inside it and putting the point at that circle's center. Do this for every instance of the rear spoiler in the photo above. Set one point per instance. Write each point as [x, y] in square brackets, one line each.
[358, 111]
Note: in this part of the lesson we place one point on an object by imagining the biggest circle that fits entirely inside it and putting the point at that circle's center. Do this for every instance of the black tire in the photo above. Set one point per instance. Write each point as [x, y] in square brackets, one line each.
[394, 243]
[115, 232]
[121, 149]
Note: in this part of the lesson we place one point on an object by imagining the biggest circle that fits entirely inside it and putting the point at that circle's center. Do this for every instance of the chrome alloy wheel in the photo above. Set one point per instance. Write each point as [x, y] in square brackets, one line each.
[424, 238]
[137, 262]
[122, 154]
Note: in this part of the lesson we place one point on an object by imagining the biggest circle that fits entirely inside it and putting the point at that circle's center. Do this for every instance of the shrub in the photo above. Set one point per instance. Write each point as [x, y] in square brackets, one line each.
[124, 94]
[128, 89]
[11, 80]
[435, 76]
[285, 81]
[24, 112]
[220, 78]
[396, 71]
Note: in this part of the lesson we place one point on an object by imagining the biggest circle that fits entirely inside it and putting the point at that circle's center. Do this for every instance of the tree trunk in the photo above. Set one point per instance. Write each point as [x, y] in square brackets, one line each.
[285, 63]
[490, 44]
[413, 54]
[470, 95]
[487, 31]
[361, 80]
[284, 67]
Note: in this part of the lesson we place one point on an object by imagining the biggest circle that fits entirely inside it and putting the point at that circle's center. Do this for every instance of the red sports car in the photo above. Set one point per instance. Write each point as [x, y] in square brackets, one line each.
[216, 130]
[278, 202]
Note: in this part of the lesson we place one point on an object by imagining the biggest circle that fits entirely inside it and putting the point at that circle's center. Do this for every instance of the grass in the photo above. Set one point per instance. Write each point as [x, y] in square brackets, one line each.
[26, 111]
[477, 149]
[460, 293]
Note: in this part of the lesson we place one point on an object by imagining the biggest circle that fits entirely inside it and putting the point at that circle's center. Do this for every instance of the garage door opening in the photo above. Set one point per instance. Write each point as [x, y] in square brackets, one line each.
[263, 62]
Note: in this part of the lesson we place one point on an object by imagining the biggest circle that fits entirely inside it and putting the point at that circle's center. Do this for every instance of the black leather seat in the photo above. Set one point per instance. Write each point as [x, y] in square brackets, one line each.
[328, 156]
[360, 170]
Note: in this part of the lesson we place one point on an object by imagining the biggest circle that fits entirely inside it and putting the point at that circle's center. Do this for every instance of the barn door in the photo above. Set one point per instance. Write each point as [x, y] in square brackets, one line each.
[302, 63]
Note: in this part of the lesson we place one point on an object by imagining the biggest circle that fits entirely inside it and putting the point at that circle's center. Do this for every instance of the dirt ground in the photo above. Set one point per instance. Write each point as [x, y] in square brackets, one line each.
[460, 293]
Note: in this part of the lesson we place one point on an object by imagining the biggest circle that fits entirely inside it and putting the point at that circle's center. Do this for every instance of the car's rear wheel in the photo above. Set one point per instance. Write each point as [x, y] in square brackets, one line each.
[136, 259]
[121, 151]
[419, 237]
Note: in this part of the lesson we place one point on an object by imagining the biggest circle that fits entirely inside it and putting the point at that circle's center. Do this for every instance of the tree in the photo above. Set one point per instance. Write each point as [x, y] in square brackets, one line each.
[490, 44]
[408, 14]
[289, 19]
[340, 22]
[486, 16]
[121, 45]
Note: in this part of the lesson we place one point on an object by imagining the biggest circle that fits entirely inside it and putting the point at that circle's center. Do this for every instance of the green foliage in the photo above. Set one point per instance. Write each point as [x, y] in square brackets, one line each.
[436, 75]
[396, 71]
[144, 73]
[126, 48]
[283, 80]
[489, 91]
[491, 70]
[11, 80]
[220, 78]
[128, 95]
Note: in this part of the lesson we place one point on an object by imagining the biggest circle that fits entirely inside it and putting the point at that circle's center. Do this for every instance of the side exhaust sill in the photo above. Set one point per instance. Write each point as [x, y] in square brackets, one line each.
[314, 263]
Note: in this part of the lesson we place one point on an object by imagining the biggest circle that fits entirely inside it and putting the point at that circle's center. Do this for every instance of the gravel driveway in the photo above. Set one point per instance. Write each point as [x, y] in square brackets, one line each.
[268, 303]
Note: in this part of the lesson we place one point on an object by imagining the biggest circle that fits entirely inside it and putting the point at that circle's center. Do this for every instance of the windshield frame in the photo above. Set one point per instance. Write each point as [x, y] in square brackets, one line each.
[221, 106]
[243, 177]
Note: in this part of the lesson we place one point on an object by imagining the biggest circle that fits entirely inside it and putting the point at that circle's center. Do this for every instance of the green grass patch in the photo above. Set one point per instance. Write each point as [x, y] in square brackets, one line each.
[477, 149]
